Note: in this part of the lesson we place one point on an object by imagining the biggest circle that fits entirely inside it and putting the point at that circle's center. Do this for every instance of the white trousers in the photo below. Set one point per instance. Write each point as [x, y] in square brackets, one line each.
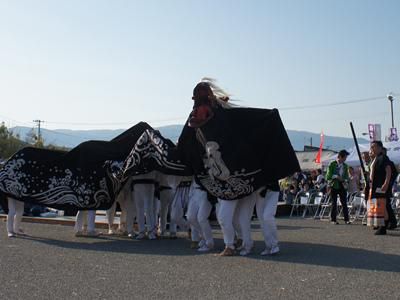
[266, 210]
[166, 198]
[178, 206]
[14, 217]
[195, 234]
[85, 217]
[194, 230]
[236, 225]
[128, 210]
[198, 212]
[242, 217]
[145, 204]
[225, 215]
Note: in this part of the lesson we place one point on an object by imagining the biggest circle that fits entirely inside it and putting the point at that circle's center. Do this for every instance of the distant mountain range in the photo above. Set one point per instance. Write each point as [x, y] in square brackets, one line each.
[70, 138]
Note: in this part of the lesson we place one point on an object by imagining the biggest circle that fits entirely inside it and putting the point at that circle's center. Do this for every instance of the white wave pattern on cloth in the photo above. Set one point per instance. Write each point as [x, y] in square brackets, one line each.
[10, 177]
[65, 196]
[149, 145]
[64, 190]
[231, 189]
[115, 174]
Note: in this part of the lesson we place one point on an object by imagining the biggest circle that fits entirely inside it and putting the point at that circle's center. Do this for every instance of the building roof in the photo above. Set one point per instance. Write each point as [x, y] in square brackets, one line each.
[307, 159]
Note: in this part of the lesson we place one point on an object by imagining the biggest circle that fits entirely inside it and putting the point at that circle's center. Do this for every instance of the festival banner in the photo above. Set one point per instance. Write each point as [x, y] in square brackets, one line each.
[374, 131]
[318, 157]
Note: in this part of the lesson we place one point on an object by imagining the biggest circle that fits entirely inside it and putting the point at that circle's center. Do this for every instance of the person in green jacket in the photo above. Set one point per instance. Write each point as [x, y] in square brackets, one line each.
[337, 177]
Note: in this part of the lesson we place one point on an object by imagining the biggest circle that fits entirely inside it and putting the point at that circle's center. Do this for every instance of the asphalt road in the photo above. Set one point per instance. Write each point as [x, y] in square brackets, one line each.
[317, 260]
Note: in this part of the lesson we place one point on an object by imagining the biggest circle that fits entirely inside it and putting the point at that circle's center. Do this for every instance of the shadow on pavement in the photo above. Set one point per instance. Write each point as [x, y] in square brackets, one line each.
[295, 227]
[336, 256]
[292, 252]
[178, 247]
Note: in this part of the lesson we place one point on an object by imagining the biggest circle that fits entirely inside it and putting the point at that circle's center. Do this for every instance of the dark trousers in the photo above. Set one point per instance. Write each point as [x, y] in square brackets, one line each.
[392, 218]
[343, 199]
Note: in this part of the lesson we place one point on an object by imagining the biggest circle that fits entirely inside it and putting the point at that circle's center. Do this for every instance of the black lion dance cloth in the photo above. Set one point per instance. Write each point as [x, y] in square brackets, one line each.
[236, 151]
[84, 177]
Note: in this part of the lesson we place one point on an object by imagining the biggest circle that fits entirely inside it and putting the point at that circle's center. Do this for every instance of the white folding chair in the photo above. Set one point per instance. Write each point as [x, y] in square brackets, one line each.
[350, 205]
[359, 206]
[325, 207]
[319, 201]
[299, 203]
[396, 206]
[311, 205]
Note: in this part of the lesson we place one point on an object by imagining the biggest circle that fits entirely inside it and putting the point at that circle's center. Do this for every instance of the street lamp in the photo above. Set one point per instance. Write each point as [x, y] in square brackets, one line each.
[391, 98]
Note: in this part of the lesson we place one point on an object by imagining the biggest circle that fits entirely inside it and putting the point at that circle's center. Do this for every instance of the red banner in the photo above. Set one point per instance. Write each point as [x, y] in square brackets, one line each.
[318, 157]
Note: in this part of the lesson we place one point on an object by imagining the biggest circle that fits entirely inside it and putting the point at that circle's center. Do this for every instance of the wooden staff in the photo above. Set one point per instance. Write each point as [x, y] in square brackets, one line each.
[364, 172]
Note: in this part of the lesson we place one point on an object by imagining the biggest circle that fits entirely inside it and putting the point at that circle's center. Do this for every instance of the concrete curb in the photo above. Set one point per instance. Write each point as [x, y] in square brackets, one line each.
[55, 221]
[282, 210]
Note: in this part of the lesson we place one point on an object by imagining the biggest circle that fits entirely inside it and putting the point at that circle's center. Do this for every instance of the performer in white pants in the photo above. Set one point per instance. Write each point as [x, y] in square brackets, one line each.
[266, 210]
[86, 218]
[239, 213]
[242, 217]
[166, 187]
[166, 197]
[178, 208]
[143, 190]
[226, 211]
[127, 217]
[197, 215]
[128, 212]
[238, 241]
[14, 217]
[195, 237]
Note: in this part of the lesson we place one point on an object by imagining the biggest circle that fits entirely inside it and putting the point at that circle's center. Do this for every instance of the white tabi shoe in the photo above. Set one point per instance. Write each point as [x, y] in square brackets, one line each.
[141, 236]
[245, 251]
[206, 248]
[11, 234]
[273, 251]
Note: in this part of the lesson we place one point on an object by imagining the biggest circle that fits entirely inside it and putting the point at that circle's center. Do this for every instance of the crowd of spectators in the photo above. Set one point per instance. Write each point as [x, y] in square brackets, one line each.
[314, 181]
[302, 182]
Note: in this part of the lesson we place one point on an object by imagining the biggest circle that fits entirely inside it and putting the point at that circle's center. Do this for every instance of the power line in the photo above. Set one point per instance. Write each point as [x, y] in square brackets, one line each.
[333, 103]
[281, 108]
[66, 134]
[114, 123]
[16, 121]
[300, 107]
[181, 118]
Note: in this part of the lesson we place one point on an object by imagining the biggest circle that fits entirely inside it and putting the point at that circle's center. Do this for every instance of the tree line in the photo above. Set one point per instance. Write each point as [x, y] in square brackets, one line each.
[11, 142]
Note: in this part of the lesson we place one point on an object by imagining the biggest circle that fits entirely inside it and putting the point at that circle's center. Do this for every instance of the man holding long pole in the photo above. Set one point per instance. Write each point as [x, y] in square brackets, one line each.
[337, 177]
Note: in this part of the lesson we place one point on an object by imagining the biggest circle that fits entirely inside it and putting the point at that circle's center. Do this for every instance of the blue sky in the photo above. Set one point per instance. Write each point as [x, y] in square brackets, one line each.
[110, 64]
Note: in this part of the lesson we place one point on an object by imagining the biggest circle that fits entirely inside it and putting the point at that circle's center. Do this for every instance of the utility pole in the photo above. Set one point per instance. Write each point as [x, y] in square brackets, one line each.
[390, 98]
[38, 122]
